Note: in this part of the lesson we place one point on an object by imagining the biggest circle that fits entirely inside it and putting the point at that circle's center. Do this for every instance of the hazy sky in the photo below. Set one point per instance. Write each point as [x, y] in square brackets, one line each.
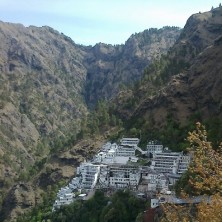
[110, 21]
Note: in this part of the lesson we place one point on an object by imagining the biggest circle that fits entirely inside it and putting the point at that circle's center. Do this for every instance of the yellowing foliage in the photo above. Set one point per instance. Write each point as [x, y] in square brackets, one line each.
[174, 213]
[205, 178]
[212, 211]
[205, 169]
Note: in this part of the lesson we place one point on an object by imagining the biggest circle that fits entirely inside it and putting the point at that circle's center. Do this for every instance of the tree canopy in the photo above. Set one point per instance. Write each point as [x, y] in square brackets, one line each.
[204, 177]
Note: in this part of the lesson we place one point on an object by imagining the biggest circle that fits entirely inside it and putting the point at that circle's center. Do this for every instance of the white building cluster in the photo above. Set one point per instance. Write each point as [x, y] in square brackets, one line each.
[115, 166]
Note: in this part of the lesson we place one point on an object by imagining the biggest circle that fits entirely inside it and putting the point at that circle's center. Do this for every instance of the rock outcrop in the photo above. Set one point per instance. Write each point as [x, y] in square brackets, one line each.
[111, 67]
[194, 88]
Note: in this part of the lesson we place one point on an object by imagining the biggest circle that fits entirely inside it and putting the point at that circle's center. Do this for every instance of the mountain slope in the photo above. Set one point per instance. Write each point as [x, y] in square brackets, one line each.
[200, 31]
[110, 67]
[198, 90]
[40, 95]
[44, 78]
[185, 82]
[193, 87]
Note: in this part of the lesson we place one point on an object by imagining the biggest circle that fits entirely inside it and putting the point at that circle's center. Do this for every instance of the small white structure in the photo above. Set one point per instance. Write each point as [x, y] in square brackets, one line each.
[133, 159]
[106, 147]
[154, 203]
[111, 153]
[82, 196]
[99, 157]
[173, 178]
[165, 191]
[106, 154]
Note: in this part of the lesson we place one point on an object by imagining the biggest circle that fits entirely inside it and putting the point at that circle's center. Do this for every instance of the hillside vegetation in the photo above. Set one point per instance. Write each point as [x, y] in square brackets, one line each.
[182, 87]
[203, 177]
[122, 206]
[45, 83]
[48, 84]
[110, 68]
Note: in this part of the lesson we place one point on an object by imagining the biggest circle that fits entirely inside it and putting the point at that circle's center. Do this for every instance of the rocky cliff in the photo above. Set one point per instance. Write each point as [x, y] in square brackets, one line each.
[194, 87]
[110, 67]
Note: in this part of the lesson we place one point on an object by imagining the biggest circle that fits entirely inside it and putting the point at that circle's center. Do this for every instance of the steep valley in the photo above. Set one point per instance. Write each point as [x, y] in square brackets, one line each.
[47, 83]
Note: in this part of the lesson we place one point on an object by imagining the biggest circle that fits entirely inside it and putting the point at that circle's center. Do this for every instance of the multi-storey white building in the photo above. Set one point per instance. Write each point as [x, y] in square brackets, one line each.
[103, 181]
[129, 142]
[166, 162]
[89, 174]
[63, 191]
[154, 147]
[75, 183]
[170, 162]
[121, 176]
[125, 150]
[64, 200]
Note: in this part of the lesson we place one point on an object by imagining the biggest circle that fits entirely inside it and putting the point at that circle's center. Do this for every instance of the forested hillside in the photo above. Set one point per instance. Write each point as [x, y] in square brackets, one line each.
[165, 80]
[182, 87]
[46, 80]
